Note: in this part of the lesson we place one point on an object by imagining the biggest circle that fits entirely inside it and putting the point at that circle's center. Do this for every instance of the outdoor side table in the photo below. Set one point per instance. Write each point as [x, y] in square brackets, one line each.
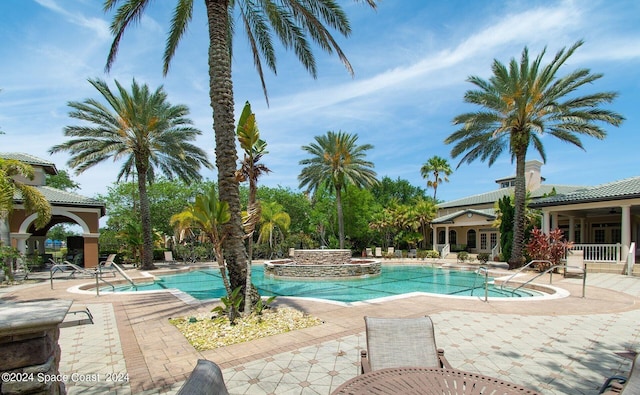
[425, 381]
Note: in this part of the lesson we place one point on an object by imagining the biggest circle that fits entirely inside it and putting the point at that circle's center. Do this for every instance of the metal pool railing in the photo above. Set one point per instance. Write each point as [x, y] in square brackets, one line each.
[549, 270]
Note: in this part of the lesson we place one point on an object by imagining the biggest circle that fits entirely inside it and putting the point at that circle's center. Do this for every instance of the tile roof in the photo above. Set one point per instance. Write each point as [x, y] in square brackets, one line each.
[495, 195]
[57, 197]
[50, 167]
[628, 188]
[489, 213]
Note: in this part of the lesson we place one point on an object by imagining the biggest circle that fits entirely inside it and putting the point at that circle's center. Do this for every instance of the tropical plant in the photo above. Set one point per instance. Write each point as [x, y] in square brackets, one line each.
[439, 168]
[504, 222]
[273, 222]
[549, 249]
[250, 170]
[520, 103]
[12, 190]
[425, 211]
[131, 238]
[142, 127]
[209, 215]
[292, 21]
[337, 160]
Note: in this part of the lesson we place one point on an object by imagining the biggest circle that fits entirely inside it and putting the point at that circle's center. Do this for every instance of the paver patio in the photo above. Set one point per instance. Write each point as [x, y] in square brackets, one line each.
[560, 346]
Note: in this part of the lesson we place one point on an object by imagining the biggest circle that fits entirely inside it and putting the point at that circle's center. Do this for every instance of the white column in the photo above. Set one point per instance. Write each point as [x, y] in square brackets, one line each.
[21, 241]
[626, 232]
[545, 222]
[434, 235]
[554, 220]
[583, 230]
[572, 231]
[446, 235]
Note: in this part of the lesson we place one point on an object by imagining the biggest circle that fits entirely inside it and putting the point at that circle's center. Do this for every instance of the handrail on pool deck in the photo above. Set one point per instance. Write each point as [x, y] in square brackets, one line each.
[550, 271]
[486, 282]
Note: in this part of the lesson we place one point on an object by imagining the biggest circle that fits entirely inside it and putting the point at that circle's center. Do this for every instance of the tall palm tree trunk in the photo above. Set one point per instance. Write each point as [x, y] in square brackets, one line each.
[146, 260]
[340, 216]
[221, 94]
[520, 192]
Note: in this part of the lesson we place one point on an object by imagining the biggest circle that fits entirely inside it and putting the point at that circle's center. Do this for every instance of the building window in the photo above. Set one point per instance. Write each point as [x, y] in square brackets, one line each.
[453, 237]
[471, 238]
[494, 240]
[441, 237]
[483, 241]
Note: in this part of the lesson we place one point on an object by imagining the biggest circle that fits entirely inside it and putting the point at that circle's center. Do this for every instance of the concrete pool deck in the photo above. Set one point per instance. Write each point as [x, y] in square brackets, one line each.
[560, 346]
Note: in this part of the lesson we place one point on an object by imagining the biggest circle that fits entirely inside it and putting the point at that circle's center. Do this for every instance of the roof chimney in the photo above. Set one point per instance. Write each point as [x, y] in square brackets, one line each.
[532, 175]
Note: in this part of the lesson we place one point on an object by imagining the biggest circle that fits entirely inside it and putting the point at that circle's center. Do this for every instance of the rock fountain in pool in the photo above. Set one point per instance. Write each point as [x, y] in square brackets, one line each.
[322, 264]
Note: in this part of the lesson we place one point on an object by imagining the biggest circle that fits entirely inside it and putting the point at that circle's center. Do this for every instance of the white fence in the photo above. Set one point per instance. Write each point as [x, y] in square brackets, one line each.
[600, 252]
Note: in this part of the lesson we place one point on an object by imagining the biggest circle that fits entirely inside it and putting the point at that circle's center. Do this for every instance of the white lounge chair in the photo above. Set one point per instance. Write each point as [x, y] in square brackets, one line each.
[107, 266]
[399, 342]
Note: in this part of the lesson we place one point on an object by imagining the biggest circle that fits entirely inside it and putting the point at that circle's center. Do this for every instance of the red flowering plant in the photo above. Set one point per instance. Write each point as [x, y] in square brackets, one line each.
[551, 248]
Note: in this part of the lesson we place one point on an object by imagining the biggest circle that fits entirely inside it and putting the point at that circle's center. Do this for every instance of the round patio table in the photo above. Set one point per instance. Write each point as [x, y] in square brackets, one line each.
[425, 381]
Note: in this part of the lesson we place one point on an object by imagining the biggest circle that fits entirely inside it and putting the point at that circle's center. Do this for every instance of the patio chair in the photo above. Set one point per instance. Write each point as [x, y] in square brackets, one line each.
[72, 269]
[575, 264]
[107, 266]
[400, 342]
[205, 379]
[168, 257]
[624, 385]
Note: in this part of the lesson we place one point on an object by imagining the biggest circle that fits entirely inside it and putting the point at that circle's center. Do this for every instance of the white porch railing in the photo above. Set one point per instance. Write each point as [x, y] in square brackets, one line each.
[446, 249]
[600, 252]
[495, 251]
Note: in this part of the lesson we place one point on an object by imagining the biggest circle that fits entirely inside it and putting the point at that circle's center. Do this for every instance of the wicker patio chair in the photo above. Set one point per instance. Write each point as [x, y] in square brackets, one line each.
[205, 379]
[624, 385]
[397, 342]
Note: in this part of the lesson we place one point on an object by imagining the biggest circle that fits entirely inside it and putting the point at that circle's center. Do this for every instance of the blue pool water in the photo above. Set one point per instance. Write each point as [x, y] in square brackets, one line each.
[394, 280]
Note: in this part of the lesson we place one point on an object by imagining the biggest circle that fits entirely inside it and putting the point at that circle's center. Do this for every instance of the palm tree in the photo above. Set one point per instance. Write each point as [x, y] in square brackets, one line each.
[425, 211]
[143, 128]
[338, 161]
[250, 170]
[292, 21]
[209, 215]
[520, 102]
[436, 166]
[273, 220]
[13, 190]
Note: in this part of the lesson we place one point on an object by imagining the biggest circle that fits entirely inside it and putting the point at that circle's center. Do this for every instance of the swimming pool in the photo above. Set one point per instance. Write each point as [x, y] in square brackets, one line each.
[394, 280]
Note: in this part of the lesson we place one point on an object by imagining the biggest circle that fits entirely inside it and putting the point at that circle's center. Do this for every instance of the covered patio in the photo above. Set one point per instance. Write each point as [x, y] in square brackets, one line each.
[603, 221]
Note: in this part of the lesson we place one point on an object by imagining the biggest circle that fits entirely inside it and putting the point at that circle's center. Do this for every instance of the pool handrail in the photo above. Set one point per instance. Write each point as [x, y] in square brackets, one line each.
[528, 265]
[548, 270]
[486, 282]
[120, 271]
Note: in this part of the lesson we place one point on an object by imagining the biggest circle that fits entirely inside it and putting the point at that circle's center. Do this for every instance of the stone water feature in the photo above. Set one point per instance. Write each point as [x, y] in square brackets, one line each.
[322, 264]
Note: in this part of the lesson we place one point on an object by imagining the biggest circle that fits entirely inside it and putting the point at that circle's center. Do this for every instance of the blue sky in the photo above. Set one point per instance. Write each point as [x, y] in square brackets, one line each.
[411, 62]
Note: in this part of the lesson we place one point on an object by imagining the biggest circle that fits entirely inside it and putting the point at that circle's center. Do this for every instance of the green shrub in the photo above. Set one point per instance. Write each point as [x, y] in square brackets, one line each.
[428, 254]
[462, 256]
[483, 257]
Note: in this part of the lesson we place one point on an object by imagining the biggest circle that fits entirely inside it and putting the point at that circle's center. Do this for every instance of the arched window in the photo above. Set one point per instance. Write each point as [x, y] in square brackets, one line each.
[453, 237]
[441, 237]
[471, 238]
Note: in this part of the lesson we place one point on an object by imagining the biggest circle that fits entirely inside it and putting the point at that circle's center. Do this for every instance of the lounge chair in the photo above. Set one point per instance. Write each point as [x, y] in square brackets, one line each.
[205, 379]
[624, 385]
[107, 266]
[575, 263]
[399, 342]
[168, 257]
[72, 269]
